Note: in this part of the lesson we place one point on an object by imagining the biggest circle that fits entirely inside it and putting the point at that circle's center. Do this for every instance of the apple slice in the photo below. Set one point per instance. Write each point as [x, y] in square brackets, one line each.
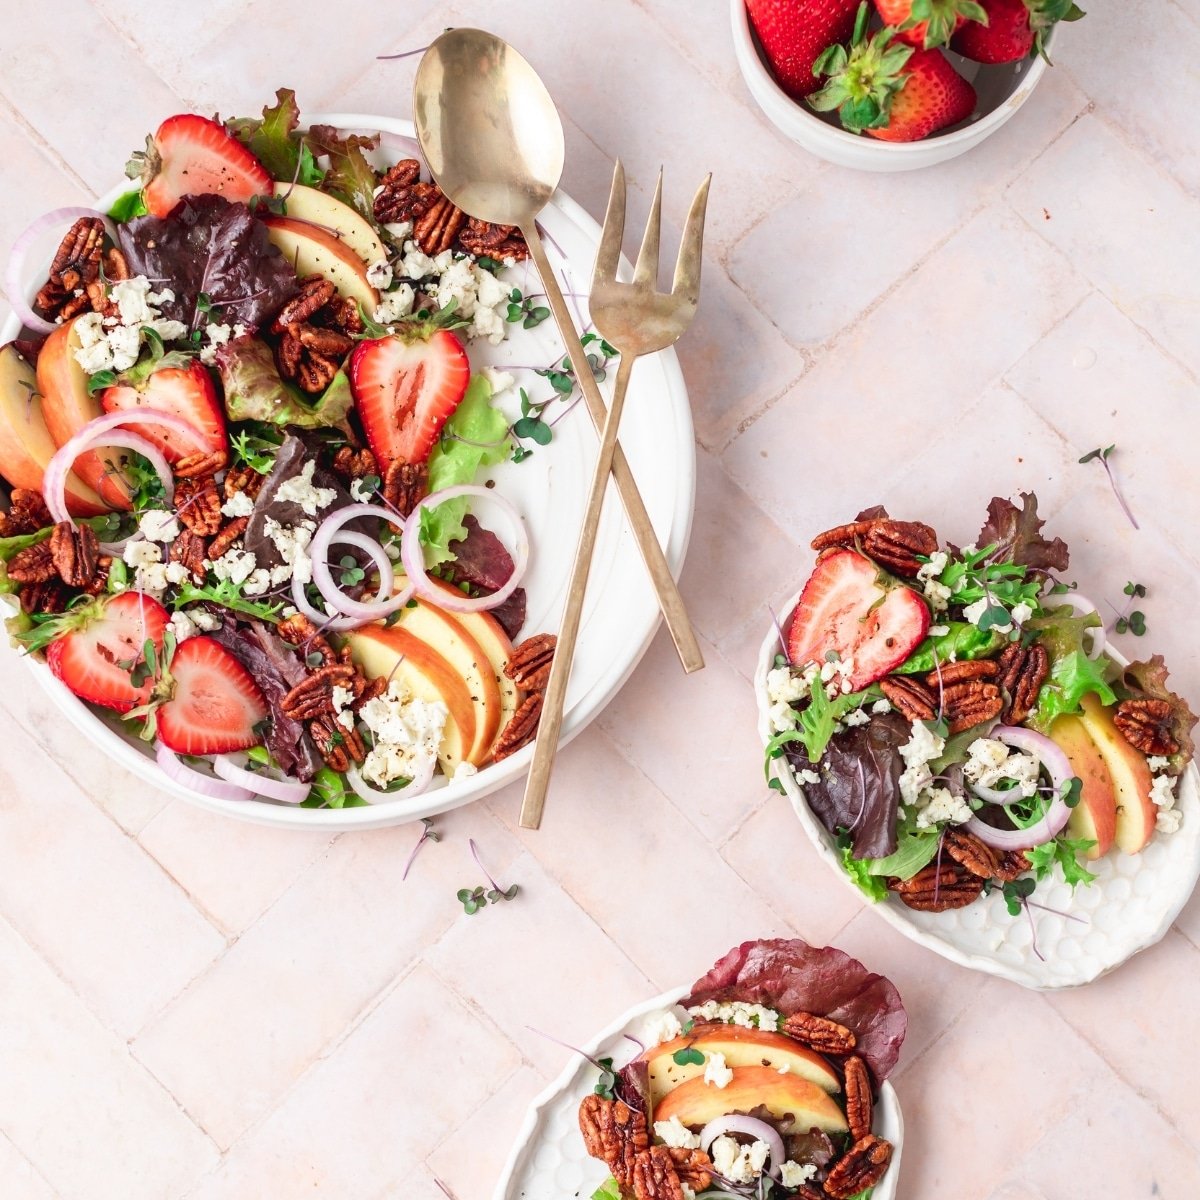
[313, 251]
[389, 652]
[741, 1047]
[319, 208]
[1136, 813]
[696, 1103]
[25, 443]
[67, 408]
[1095, 816]
[449, 637]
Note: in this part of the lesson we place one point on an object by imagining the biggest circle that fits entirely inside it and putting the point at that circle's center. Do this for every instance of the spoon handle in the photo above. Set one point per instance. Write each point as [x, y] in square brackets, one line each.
[550, 722]
[665, 587]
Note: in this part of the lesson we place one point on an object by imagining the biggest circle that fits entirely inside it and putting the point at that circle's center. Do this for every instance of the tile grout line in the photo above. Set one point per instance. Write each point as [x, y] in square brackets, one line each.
[37, 1171]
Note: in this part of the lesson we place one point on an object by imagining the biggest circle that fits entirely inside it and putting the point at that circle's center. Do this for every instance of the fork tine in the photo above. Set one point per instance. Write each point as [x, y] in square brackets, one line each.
[608, 256]
[691, 247]
[646, 270]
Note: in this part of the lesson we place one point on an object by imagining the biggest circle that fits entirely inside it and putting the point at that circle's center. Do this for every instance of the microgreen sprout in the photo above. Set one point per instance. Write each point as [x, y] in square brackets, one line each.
[351, 572]
[521, 308]
[1131, 622]
[608, 1077]
[473, 899]
[428, 834]
[1101, 455]
[688, 1056]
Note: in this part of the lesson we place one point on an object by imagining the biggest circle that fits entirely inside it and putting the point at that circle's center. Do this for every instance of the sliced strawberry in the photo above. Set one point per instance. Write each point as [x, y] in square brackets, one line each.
[405, 391]
[215, 704]
[103, 641]
[195, 156]
[844, 610]
[187, 392]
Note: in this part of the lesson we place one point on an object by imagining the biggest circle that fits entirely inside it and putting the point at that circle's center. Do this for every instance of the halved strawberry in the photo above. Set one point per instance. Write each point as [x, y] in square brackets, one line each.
[214, 703]
[846, 611]
[187, 392]
[405, 390]
[102, 643]
[195, 156]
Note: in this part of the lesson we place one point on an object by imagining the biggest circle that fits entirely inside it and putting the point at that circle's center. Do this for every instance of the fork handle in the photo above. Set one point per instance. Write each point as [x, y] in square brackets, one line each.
[550, 723]
[665, 588]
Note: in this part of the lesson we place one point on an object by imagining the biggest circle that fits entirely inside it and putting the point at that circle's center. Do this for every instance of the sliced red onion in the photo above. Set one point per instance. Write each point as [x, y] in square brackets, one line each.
[206, 785]
[15, 277]
[413, 556]
[1057, 766]
[385, 602]
[373, 795]
[323, 621]
[409, 147]
[750, 1127]
[263, 783]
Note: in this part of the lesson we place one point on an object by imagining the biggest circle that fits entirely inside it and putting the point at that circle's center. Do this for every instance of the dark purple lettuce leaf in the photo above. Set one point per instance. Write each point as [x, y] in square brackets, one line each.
[860, 782]
[277, 669]
[1148, 680]
[482, 562]
[633, 1086]
[788, 975]
[1017, 535]
[873, 513]
[214, 246]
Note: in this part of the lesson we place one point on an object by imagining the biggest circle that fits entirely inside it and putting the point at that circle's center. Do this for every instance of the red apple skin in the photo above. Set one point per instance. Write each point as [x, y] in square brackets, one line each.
[67, 408]
[1136, 814]
[311, 248]
[1095, 816]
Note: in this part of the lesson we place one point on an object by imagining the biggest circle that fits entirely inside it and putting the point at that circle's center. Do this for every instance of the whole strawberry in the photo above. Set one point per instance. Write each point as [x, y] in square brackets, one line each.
[794, 32]
[888, 90]
[1014, 29]
[928, 23]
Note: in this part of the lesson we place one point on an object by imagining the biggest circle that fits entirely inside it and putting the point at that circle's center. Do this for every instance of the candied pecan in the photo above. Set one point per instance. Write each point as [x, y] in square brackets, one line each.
[860, 1107]
[99, 580]
[327, 343]
[113, 268]
[655, 1176]
[200, 464]
[228, 535]
[198, 505]
[402, 196]
[501, 242]
[842, 537]
[297, 630]
[350, 464]
[76, 264]
[1023, 670]
[1146, 725]
[959, 672]
[242, 479]
[521, 729]
[970, 703]
[76, 553]
[34, 564]
[1014, 864]
[27, 513]
[366, 689]
[971, 852]
[315, 292]
[311, 357]
[190, 549]
[404, 485]
[46, 596]
[338, 746]
[938, 888]
[694, 1167]
[896, 544]
[820, 1033]
[614, 1133]
[914, 700]
[313, 697]
[343, 314]
[436, 228]
[529, 664]
[862, 1167]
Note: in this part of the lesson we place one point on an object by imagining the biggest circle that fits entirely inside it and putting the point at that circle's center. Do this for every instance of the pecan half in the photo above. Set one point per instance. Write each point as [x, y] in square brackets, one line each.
[34, 564]
[402, 196]
[960, 672]
[819, 1033]
[939, 888]
[521, 729]
[614, 1133]
[200, 464]
[435, 230]
[914, 700]
[297, 630]
[895, 545]
[190, 549]
[500, 242]
[1013, 865]
[860, 1106]
[47, 596]
[76, 553]
[1146, 725]
[315, 293]
[99, 580]
[338, 746]
[198, 505]
[404, 484]
[242, 479]
[313, 697]
[1023, 670]
[27, 513]
[228, 535]
[863, 1166]
[350, 464]
[655, 1176]
[971, 852]
[76, 264]
[693, 1167]
[970, 703]
[529, 664]
[842, 537]
[311, 357]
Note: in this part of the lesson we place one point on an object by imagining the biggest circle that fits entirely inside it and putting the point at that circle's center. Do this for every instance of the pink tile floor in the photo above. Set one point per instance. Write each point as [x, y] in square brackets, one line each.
[195, 1008]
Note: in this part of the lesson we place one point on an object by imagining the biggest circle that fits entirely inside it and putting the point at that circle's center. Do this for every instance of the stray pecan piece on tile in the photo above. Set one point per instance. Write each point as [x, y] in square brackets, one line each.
[530, 662]
[940, 888]
[76, 553]
[862, 1167]
[820, 1033]
[971, 852]
[860, 1105]
[521, 729]
[1146, 725]
[404, 485]
[896, 545]
[615, 1134]
[1022, 670]
[910, 696]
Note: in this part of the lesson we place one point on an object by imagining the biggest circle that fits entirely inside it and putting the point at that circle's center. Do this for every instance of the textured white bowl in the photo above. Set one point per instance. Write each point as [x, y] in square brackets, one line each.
[1131, 905]
[548, 1160]
[1002, 91]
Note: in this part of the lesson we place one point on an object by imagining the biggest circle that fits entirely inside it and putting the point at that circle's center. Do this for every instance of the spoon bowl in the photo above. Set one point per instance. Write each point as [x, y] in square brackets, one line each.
[488, 127]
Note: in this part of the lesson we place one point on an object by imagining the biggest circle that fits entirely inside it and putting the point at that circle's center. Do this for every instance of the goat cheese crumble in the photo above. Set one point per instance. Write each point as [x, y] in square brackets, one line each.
[158, 525]
[661, 1027]
[1162, 792]
[792, 1174]
[738, 1163]
[989, 761]
[737, 1012]
[407, 733]
[238, 505]
[676, 1134]
[114, 343]
[716, 1073]
[922, 747]
[301, 490]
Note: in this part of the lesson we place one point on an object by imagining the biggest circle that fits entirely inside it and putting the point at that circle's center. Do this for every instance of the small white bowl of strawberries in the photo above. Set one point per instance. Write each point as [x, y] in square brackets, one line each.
[892, 85]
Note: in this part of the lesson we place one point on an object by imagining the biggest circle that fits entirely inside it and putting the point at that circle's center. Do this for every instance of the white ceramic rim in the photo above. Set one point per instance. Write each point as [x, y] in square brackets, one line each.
[889, 1102]
[642, 625]
[888, 910]
[933, 149]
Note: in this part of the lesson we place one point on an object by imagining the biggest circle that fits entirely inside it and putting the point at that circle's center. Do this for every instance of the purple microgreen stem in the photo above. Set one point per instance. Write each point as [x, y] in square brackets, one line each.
[782, 640]
[394, 58]
[1101, 455]
[428, 834]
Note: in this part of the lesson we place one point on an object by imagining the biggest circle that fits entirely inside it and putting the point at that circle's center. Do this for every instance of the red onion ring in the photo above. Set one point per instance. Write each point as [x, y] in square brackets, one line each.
[413, 556]
[409, 147]
[372, 795]
[322, 620]
[750, 1127]
[15, 283]
[262, 783]
[1052, 823]
[368, 611]
[197, 781]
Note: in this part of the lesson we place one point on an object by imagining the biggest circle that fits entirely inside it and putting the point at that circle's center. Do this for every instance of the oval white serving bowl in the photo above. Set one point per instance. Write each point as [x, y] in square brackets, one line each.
[1002, 91]
[621, 614]
[1131, 905]
[548, 1160]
